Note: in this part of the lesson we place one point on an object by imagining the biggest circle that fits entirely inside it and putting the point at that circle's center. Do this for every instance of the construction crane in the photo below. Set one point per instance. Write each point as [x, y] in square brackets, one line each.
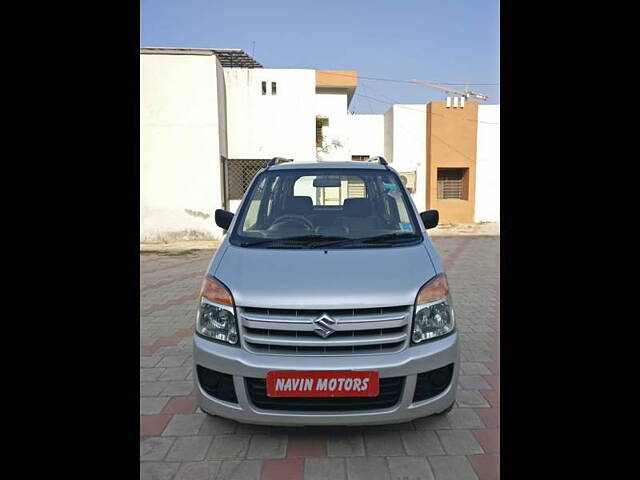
[466, 94]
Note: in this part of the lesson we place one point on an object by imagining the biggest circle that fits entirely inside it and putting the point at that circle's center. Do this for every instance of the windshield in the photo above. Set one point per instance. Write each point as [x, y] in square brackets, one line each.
[315, 208]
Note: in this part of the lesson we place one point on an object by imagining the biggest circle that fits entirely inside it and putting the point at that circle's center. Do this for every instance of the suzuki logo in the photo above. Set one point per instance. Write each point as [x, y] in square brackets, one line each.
[324, 323]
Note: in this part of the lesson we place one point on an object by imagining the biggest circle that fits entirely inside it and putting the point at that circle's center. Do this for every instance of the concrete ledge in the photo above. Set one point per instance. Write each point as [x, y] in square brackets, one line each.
[474, 229]
[179, 247]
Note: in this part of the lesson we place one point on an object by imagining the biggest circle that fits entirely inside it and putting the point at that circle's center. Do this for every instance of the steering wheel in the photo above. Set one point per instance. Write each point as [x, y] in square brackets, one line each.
[306, 223]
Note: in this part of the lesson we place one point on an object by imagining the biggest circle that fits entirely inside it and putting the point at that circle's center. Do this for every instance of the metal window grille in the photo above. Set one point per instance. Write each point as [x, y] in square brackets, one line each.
[239, 175]
[450, 183]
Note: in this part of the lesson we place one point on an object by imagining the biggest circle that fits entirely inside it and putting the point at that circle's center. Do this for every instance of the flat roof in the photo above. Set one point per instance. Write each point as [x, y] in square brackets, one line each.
[228, 57]
[309, 165]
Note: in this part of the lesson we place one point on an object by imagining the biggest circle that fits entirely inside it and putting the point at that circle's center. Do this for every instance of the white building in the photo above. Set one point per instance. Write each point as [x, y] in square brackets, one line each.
[211, 118]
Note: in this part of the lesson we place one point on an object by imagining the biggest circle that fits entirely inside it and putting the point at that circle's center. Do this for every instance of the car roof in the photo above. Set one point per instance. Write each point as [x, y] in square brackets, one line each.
[316, 165]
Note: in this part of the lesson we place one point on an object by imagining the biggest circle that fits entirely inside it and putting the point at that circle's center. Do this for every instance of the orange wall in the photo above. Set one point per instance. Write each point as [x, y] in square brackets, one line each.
[451, 143]
[337, 78]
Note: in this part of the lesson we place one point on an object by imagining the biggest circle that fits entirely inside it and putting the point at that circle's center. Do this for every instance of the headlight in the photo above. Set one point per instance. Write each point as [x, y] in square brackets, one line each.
[215, 318]
[434, 315]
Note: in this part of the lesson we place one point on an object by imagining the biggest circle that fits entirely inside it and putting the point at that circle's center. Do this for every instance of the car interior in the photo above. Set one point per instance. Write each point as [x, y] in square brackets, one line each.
[286, 214]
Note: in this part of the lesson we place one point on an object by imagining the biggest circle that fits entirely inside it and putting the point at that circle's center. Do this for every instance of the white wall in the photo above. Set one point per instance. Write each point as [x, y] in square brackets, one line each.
[179, 146]
[405, 144]
[488, 165]
[332, 103]
[266, 126]
[365, 135]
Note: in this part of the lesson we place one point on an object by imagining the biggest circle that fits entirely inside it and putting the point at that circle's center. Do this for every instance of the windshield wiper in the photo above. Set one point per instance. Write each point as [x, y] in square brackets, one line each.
[296, 240]
[388, 237]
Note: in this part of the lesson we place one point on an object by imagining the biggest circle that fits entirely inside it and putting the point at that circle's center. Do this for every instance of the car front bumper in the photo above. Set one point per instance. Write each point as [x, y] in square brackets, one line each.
[408, 363]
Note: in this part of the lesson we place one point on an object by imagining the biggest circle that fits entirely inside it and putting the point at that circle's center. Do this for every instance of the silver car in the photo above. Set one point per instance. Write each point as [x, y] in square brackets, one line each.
[326, 303]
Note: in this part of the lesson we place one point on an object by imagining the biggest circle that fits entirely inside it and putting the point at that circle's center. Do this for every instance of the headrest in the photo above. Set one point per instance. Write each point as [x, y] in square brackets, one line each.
[357, 207]
[300, 205]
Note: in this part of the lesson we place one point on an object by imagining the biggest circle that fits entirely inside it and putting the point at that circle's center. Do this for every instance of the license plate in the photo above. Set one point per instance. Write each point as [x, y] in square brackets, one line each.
[322, 384]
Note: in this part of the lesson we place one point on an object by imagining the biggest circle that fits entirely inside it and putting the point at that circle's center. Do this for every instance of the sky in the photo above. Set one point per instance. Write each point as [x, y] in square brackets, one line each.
[446, 41]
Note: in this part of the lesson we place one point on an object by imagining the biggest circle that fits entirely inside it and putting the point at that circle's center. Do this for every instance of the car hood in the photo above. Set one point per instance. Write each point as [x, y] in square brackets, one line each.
[313, 279]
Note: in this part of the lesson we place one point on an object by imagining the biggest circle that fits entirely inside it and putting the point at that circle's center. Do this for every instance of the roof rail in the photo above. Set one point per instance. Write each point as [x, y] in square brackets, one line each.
[378, 159]
[277, 160]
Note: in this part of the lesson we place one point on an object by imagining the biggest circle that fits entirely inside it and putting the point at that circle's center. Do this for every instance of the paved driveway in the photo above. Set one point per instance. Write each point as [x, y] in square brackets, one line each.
[178, 441]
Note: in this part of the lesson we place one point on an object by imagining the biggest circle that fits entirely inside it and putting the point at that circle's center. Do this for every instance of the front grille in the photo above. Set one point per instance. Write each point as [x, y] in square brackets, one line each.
[355, 331]
[389, 395]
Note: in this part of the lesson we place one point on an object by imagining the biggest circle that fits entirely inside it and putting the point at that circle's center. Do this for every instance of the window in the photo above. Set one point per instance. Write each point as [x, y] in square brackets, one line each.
[273, 88]
[264, 88]
[453, 183]
[320, 122]
[360, 158]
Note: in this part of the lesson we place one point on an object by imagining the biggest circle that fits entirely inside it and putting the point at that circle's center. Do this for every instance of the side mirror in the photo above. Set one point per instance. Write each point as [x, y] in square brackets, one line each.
[430, 218]
[223, 218]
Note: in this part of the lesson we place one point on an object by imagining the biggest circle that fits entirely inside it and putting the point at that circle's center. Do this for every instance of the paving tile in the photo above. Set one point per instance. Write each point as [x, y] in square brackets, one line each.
[198, 470]
[452, 467]
[174, 361]
[178, 388]
[465, 418]
[267, 446]
[433, 422]
[306, 446]
[240, 470]
[152, 425]
[174, 373]
[151, 389]
[368, 468]
[489, 439]
[492, 397]
[459, 442]
[325, 469]
[490, 416]
[186, 449]
[229, 446]
[487, 467]
[474, 368]
[473, 382]
[181, 405]
[345, 445]
[184, 424]
[422, 443]
[493, 366]
[247, 428]
[153, 449]
[150, 374]
[413, 468]
[494, 381]
[471, 398]
[214, 425]
[158, 470]
[383, 444]
[285, 469]
[149, 362]
[151, 405]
